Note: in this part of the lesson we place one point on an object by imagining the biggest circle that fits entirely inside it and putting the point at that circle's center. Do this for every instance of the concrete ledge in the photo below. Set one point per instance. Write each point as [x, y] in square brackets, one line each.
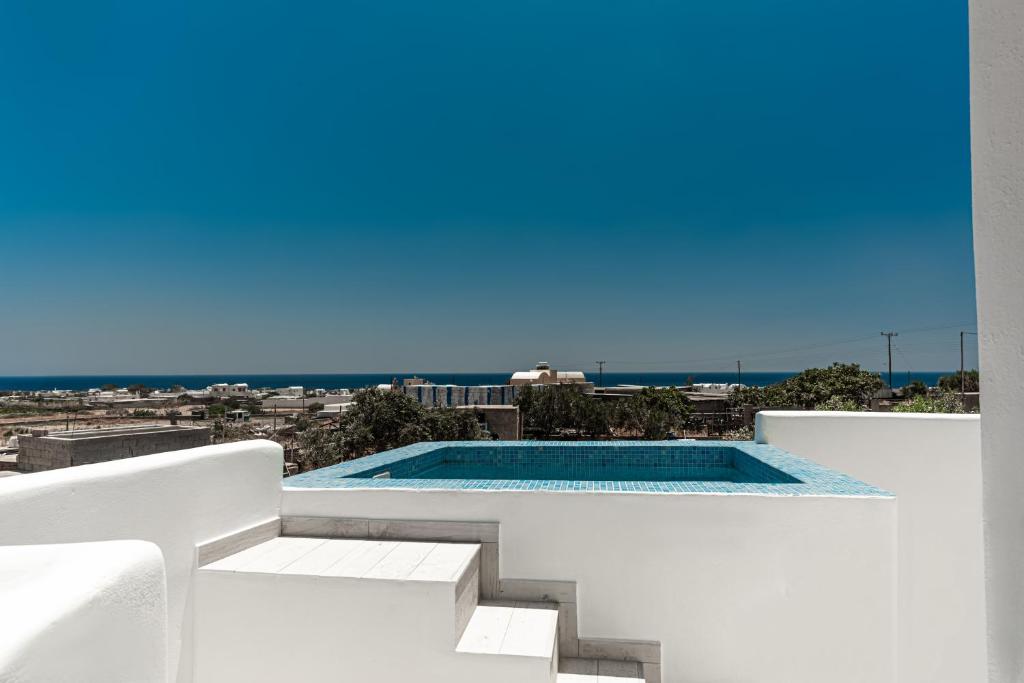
[229, 544]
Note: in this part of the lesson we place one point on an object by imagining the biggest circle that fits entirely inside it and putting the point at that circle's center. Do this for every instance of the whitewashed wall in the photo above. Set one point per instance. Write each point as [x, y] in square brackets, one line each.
[997, 158]
[83, 613]
[736, 587]
[175, 500]
[933, 465]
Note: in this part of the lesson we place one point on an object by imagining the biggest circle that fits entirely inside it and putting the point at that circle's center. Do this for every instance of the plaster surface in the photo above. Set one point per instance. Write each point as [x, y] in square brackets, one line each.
[175, 500]
[83, 613]
[736, 587]
[997, 160]
[933, 465]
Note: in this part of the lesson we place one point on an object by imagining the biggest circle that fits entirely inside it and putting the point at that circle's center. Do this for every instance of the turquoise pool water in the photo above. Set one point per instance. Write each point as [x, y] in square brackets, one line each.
[539, 462]
[631, 466]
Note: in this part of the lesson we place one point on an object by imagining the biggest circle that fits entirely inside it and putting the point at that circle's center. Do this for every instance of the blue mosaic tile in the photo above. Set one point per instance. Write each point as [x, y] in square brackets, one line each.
[717, 467]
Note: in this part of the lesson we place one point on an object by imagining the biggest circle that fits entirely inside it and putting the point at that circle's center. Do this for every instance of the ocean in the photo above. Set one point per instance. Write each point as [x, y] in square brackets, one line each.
[358, 381]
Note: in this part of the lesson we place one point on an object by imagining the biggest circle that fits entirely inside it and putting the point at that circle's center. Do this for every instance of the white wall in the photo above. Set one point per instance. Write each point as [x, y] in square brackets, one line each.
[83, 613]
[736, 587]
[175, 500]
[997, 151]
[933, 465]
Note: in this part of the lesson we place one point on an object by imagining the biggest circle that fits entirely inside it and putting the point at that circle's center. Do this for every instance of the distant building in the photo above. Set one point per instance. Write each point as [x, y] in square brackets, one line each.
[87, 446]
[237, 416]
[714, 388]
[454, 395]
[300, 403]
[333, 410]
[543, 373]
[223, 390]
[294, 392]
[505, 422]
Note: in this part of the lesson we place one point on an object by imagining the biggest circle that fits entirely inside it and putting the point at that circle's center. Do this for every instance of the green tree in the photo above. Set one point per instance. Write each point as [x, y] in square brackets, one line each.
[314, 407]
[449, 424]
[972, 381]
[217, 410]
[813, 387]
[140, 389]
[109, 387]
[560, 409]
[839, 403]
[652, 413]
[318, 447]
[946, 402]
[915, 388]
[382, 420]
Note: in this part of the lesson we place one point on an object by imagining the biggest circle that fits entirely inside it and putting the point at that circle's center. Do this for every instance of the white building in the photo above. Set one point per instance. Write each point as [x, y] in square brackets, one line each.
[543, 373]
[224, 390]
[294, 392]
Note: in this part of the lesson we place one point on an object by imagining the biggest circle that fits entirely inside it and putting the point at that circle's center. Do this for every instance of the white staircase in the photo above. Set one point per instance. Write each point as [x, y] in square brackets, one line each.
[362, 610]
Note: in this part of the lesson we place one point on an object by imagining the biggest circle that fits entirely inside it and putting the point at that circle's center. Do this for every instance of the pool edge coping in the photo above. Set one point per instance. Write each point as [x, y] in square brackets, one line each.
[815, 480]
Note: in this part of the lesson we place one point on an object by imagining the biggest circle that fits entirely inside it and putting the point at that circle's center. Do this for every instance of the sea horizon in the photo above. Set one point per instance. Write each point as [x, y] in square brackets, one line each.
[358, 380]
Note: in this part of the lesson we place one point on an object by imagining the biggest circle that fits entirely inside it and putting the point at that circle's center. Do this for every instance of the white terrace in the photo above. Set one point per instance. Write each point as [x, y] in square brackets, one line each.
[197, 565]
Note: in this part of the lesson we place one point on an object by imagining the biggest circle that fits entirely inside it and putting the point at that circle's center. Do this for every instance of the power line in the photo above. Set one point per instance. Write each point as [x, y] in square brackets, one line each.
[808, 347]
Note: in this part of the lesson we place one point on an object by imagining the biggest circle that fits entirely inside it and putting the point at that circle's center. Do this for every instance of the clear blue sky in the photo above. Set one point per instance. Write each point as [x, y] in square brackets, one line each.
[382, 185]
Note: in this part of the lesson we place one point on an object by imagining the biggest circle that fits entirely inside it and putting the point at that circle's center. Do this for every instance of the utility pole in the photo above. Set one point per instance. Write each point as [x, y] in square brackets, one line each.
[739, 372]
[962, 381]
[600, 372]
[890, 335]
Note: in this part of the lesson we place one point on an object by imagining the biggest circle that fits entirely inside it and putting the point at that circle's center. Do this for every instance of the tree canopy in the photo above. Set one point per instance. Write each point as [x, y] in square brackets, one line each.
[557, 409]
[561, 410]
[813, 387]
[382, 420]
[972, 381]
[946, 402]
[652, 414]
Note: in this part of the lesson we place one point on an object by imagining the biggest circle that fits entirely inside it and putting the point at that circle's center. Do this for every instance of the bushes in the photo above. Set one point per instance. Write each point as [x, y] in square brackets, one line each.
[559, 409]
[382, 420]
[814, 387]
[972, 381]
[840, 404]
[946, 402]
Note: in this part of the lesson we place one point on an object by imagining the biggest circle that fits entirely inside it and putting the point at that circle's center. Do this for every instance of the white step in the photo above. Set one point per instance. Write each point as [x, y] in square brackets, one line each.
[341, 607]
[572, 670]
[507, 628]
[355, 559]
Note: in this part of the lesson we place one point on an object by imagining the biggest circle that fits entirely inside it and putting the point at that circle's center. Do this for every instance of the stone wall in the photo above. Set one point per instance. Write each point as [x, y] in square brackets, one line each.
[67, 449]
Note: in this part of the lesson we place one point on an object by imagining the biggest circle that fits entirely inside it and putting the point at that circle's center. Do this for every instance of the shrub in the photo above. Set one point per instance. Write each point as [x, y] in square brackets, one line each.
[946, 402]
[839, 403]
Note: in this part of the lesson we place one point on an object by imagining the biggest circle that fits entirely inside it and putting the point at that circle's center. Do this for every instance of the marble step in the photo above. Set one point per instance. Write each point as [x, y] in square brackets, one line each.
[512, 628]
[344, 558]
[575, 670]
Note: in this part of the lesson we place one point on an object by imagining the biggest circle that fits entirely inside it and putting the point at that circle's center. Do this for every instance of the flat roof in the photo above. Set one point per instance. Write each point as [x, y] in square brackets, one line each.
[117, 431]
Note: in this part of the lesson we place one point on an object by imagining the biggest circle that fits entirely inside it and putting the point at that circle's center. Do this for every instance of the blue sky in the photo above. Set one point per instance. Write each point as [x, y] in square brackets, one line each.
[384, 185]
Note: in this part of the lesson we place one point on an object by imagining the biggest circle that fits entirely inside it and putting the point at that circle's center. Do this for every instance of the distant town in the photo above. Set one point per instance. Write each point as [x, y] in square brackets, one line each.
[41, 430]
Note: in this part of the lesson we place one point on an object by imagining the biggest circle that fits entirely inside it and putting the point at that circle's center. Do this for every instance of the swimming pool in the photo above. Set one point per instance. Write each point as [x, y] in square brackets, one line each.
[640, 466]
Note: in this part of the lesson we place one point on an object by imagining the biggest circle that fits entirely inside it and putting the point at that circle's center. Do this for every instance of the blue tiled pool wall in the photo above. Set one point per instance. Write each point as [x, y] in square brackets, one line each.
[583, 463]
[810, 478]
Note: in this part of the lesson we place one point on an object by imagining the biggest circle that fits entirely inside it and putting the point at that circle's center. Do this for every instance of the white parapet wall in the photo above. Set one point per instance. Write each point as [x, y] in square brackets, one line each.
[772, 589]
[997, 165]
[174, 500]
[83, 613]
[933, 465]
